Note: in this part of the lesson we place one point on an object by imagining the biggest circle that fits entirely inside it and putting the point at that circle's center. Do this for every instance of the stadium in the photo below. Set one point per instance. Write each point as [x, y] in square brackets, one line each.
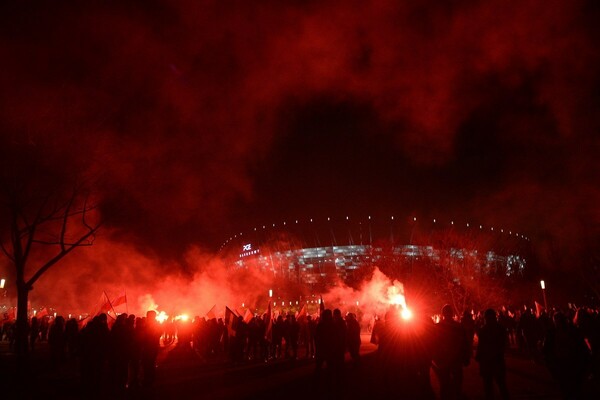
[316, 251]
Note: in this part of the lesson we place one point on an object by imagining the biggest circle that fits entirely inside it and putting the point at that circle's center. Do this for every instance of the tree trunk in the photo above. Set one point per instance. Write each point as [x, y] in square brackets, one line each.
[22, 331]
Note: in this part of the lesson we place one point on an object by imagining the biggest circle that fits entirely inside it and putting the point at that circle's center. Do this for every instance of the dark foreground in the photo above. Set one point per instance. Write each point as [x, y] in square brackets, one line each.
[183, 374]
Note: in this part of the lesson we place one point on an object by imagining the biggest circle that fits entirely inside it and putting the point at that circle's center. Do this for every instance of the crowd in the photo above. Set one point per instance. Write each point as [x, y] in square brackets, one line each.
[567, 342]
[123, 351]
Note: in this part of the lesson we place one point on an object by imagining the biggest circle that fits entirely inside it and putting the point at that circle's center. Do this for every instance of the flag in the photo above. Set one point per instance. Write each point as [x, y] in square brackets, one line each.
[538, 309]
[121, 299]
[301, 314]
[230, 321]
[103, 305]
[211, 313]
[269, 329]
[43, 312]
[321, 305]
[248, 316]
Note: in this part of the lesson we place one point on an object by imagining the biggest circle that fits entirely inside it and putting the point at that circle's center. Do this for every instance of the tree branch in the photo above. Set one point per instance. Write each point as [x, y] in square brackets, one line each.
[64, 251]
[66, 221]
[58, 243]
[6, 253]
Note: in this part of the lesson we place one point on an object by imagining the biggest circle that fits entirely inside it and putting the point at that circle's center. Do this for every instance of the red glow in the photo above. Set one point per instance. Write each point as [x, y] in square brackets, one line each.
[161, 317]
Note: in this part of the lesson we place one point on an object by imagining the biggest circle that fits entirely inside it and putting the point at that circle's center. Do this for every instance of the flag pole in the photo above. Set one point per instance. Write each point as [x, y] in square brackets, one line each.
[111, 306]
[126, 303]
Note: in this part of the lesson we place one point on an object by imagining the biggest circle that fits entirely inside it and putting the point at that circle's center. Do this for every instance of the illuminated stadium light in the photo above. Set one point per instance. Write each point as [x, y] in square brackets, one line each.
[328, 248]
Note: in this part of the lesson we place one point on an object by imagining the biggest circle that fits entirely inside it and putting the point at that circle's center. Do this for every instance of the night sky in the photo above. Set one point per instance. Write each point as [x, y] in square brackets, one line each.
[200, 119]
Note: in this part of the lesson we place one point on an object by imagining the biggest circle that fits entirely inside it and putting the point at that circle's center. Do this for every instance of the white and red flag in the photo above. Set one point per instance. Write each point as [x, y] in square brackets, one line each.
[120, 299]
[538, 309]
[211, 313]
[248, 316]
[301, 314]
[230, 321]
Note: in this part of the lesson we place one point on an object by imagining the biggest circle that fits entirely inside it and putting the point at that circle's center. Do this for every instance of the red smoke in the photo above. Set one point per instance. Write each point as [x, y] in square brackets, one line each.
[172, 108]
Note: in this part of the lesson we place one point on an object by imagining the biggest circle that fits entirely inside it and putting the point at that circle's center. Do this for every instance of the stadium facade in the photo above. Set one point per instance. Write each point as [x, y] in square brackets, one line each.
[314, 250]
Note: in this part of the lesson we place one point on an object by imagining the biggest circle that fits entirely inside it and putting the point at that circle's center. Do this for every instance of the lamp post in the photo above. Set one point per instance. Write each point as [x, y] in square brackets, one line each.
[543, 286]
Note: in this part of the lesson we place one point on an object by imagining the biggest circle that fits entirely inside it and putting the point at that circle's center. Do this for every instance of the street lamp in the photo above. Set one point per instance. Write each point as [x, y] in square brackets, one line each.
[2, 282]
[543, 286]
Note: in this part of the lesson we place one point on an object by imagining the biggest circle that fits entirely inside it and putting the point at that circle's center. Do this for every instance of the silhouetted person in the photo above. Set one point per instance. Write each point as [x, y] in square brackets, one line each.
[529, 328]
[135, 354]
[353, 337]
[403, 357]
[34, 332]
[222, 334]
[239, 340]
[376, 330]
[71, 334]
[311, 325]
[339, 325]
[44, 327]
[567, 356]
[57, 341]
[468, 325]
[492, 339]
[450, 354]
[293, 333]
[119, 354]
[324, 338]
[184, 336]
[93, 352]
[278, 334]
[150, 347]
[589, 324]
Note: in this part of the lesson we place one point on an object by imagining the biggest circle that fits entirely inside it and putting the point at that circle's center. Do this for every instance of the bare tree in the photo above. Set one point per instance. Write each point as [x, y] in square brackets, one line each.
[42, 229]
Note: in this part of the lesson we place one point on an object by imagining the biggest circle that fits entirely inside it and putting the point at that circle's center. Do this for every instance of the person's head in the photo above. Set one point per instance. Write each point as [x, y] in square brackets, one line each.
[122, 317]
[326, 315]
[150, 315]
[447, 312]
[490, 316]
[337, 314]
[560, 320]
